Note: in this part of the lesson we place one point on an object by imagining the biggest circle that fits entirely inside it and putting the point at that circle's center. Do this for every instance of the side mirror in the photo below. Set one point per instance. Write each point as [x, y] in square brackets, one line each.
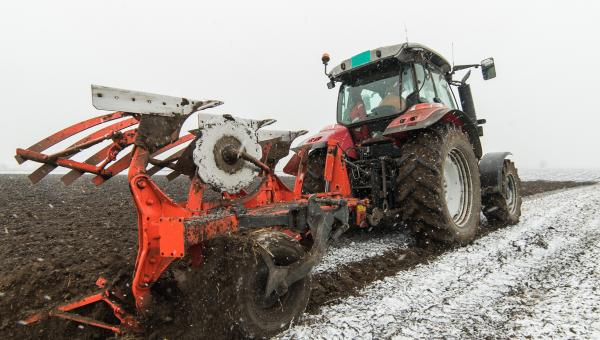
[488, 69]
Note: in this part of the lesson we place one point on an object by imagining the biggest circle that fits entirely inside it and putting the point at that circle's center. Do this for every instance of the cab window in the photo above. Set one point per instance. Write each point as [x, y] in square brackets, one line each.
[443, 89]
[425, 84]
[408, 82]
[374, 94]
[369, 95]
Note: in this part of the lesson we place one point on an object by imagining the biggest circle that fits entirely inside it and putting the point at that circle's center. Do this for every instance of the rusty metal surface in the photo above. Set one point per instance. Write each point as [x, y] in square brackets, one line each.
[202, 228]
[73, 175]
[156, 132]
[168, 162]
[185, 163]
[280, 140]
[45, 169]
[70, 131]
[173, 175]
[165, 163]
[114, 169]
[231, 164]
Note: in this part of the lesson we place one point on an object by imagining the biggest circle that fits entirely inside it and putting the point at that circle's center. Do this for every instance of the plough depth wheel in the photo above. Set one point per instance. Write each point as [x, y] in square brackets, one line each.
[260, 314]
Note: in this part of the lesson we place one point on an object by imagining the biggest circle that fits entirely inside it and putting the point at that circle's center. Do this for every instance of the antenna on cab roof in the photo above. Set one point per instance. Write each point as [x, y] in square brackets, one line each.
[452, 48]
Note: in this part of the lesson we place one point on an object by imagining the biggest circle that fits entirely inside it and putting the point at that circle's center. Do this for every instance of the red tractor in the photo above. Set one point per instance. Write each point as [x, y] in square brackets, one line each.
[402, 151]
[409, 148]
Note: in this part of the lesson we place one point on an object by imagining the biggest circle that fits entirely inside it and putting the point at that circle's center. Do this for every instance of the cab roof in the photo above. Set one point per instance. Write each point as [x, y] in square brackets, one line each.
[404, 52]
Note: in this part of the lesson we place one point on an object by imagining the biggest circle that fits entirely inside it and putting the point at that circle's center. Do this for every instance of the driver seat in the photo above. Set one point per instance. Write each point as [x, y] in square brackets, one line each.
[394, 101]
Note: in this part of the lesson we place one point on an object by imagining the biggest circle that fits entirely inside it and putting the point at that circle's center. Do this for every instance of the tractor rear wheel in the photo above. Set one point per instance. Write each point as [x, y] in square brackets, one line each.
[257, 315]
[439, 193]
[314, 182]
[502, 209]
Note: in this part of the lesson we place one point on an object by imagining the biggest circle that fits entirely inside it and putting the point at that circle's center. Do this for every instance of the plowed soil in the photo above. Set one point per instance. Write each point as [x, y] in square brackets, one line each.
[56, 241]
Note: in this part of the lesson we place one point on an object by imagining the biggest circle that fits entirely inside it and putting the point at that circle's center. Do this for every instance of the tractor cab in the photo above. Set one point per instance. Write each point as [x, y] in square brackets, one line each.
[379, 85]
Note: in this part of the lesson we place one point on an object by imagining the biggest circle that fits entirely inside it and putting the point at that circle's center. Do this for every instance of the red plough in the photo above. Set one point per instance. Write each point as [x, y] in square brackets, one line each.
[226, 153]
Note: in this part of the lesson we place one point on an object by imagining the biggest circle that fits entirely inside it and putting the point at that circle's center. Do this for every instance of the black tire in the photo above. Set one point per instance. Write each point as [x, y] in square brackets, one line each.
[421, 185]
[257, 316]
[314, 182]
[502, 209]
[223, 298]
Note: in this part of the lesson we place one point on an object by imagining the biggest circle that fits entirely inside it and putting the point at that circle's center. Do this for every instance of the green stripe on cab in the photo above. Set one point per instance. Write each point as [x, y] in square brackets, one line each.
[361, 58]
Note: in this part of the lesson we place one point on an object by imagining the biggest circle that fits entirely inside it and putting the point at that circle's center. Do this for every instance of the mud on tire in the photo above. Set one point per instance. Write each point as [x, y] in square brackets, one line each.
[428, 158]
[502, 209]
[224, 297]
[258, 316]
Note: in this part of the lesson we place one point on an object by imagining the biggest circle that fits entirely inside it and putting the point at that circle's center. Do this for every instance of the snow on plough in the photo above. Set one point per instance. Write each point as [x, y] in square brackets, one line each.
[402, 151]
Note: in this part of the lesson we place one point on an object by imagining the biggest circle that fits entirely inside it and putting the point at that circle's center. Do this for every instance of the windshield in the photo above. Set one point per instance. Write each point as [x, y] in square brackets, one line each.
[374, 95]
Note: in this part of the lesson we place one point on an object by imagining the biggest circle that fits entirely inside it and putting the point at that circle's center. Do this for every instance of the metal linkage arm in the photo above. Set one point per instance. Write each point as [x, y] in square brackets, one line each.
[320, 220]
[66, 311]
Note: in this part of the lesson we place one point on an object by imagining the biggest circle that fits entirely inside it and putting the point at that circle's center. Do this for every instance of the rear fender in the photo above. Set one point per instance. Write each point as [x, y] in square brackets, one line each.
[424, 115]
[417, 117]
[490, 172]
[336, 132]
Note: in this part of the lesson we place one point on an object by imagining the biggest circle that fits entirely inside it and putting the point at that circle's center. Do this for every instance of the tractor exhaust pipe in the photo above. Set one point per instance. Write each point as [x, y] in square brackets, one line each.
[466, 101]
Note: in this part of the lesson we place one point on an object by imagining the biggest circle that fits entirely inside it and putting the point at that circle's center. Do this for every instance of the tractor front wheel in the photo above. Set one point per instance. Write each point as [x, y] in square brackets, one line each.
[439, 194]
[502, 209]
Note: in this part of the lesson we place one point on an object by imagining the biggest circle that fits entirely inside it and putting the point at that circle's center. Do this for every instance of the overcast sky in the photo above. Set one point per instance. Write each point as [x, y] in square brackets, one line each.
[263, 60]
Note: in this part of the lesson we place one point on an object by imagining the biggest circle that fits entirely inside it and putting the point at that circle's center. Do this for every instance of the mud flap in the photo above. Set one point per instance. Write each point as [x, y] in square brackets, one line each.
[490, 170]
[321, 223]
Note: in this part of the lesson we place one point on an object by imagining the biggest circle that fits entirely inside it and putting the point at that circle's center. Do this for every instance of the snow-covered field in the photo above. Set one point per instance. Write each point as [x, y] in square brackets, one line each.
[540, 279]
[361, 246]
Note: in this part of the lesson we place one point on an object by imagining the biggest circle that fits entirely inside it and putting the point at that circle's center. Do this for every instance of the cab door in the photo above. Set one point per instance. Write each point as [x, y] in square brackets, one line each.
[425, 85]
[442, 88]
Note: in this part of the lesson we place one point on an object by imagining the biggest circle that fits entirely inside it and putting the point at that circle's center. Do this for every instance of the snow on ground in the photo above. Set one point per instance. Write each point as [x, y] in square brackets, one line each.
[540, 279]
[359, 247]
[579, 175]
